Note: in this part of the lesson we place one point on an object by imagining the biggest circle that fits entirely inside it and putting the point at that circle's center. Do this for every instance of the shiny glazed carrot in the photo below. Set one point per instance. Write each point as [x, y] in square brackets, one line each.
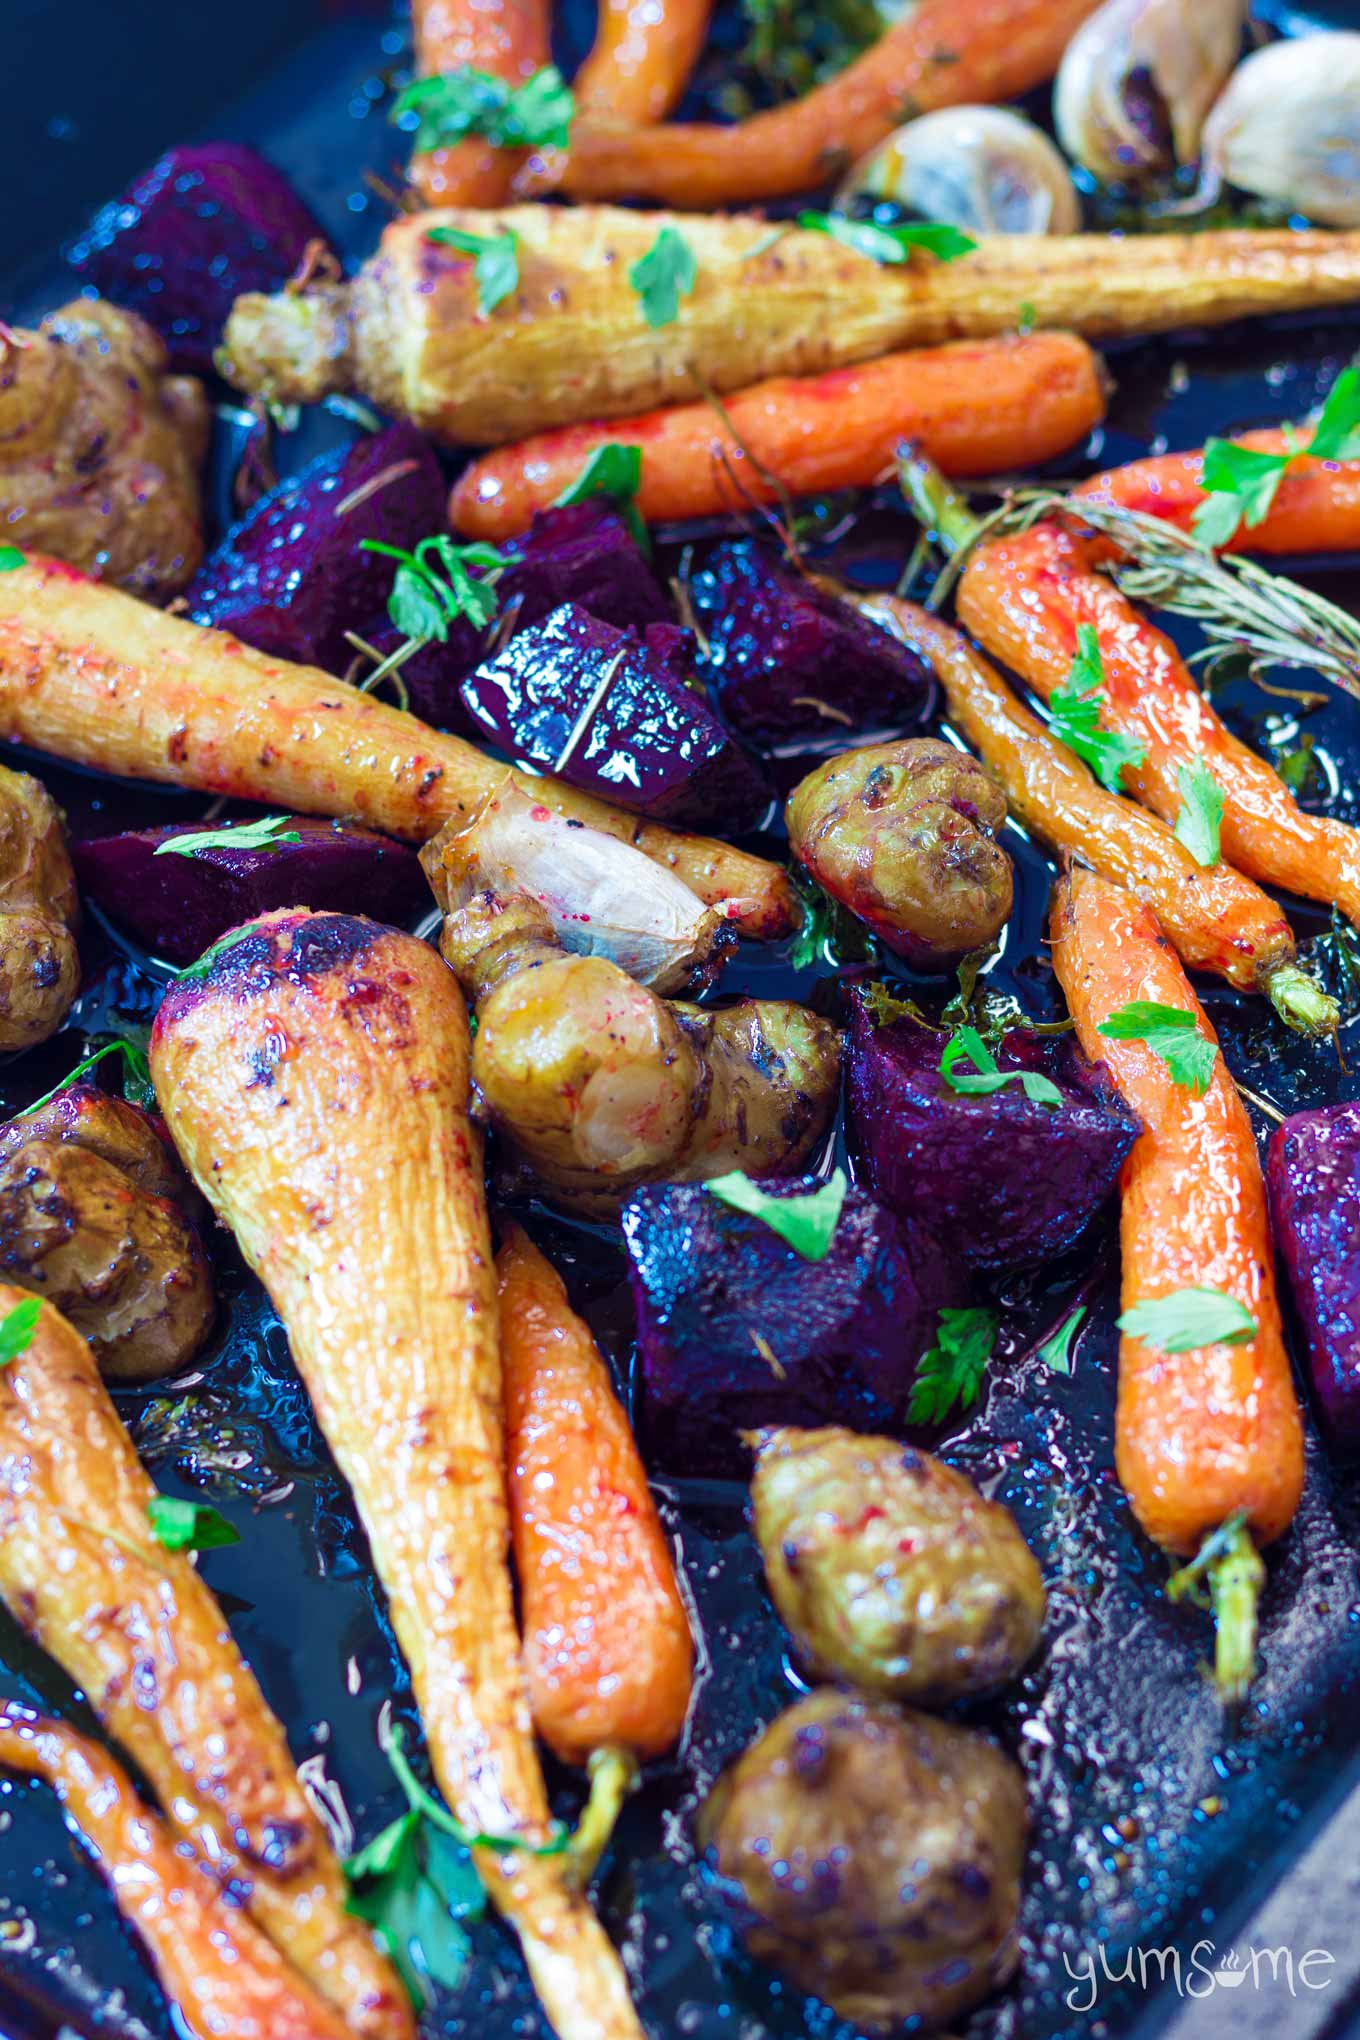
[1026, 598]
[1217, 919]
[508, 38]
[943, 53]
[1316, 508]
[608, 1652]
[639, 66]
[1213, 1435]
[976, 406]
[224, 1978]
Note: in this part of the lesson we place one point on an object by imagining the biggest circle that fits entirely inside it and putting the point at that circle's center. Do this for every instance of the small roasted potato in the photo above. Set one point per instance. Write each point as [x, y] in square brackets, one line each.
[39, 914]
[903, 834]
[100, 448]
[889, 1569]
[873, 1856]
[96, 1218]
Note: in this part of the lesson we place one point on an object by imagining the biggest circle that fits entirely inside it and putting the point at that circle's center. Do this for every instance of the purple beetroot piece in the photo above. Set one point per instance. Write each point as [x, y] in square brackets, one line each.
[292, 578]
[737, 1330]
[1313, 1175]
[777, 646]
[188, 236]
[614, 714]
[176, 905]
[1005, 1181]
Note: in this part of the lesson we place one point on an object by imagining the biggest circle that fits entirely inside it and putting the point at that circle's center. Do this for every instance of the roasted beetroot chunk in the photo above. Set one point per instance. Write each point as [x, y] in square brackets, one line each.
[1313, 1175]
[188, 236]
[614, 714]
[176, 905]
[778, 647]
[737, 1330]
[1006, 1181]
[292, 577]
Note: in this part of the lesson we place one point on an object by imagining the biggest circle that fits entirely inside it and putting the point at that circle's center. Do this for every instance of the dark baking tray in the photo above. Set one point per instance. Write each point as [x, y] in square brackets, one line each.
[1154, 1828]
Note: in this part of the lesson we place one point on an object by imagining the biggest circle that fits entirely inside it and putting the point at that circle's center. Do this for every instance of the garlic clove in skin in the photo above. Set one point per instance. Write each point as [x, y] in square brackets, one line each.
[980, 168]
[1137, 80]
[1287, 128]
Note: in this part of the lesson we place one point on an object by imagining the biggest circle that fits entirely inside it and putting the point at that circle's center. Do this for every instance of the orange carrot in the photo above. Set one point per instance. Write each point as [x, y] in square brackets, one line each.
[508, 38]
[943, 53]
[1208, 1441]
[976, 406]
[225, 1979]
[1026, 598]
[1316, 509]
[608, 1652]
[639, 66]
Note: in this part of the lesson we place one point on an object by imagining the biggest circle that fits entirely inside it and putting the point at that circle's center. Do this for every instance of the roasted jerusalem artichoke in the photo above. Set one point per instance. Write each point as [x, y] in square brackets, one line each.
[39, 914]
[138, 1631]
[100, 448]
[314, 1074]
[572, 343]
[96, 1217]
[595, 1084]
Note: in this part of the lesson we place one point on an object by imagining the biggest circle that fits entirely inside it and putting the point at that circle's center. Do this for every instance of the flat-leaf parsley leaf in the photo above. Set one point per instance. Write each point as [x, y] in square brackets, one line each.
[951, 1372]
[807, 1221]
[1075, 716]
[1171, 1033]
[1188, 1319]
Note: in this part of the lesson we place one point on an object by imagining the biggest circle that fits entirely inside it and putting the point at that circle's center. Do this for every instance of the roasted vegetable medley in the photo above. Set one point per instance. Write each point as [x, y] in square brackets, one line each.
[590, 843]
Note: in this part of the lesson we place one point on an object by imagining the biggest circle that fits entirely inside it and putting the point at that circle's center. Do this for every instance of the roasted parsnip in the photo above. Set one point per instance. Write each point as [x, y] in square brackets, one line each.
[138, 1631]
[91, 675]
[572, 342]
[226, 1980]
[39, 914]
[314, 1074]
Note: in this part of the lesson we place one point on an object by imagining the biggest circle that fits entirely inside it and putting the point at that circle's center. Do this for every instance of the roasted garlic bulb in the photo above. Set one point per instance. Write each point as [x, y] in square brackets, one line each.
[983, 169]
[1287, 128]
[1138, 79]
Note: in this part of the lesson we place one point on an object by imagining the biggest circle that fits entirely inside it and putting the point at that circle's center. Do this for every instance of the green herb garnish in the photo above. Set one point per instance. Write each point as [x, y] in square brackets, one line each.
[665, 274]
[967, 1045]
[433, 587]
[534, 115]
[260, 835]
[496, 265]
[137, 1083]
[1201, 816]
[10, 558]
[806, 1222]
[884, 1007]
[1188, 1319]
[1075, 716]
[1297, 768]
[1056, 1351]
[17, 1327]
[890, 244]
[1172, 1034]
[614, 472]
[189, 1526]
[951, 1372]
[1241, 482]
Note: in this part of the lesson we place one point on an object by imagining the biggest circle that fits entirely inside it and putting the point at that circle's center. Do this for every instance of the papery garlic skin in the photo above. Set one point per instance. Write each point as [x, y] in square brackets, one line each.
[1137, 80]
[980, 168]
[1287, 128]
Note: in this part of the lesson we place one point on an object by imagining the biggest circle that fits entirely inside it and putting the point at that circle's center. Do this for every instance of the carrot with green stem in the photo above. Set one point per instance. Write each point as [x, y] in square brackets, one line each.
[505, 39]
[1209, 1439]
[1217, 919]
[608, 1652]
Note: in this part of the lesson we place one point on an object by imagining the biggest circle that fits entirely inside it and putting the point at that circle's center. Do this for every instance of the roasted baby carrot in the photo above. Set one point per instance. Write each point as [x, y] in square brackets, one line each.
[1208, 1439]
[1316, 508]
[1217, 919]
[225, 1980]
[942, 53]
[977, 407]
[507, 38]
[1026, 598]
[639, 66]
[608, 1652]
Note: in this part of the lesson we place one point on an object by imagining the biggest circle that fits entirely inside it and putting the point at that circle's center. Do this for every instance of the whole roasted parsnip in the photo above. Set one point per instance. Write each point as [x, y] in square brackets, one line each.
[142, 1636]
[39, 914]
[226, 1980]
[314, 1074]
[572, 342]
[91, 675]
